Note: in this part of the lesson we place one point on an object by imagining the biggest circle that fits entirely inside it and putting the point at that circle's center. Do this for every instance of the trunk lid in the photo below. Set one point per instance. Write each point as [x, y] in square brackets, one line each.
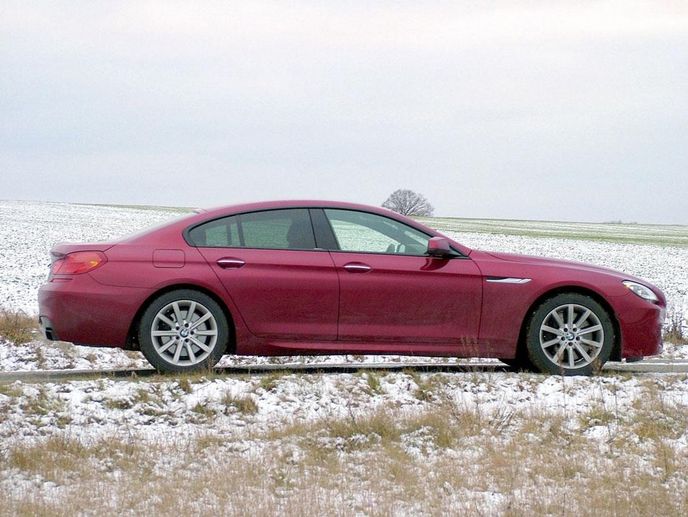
[61, 249]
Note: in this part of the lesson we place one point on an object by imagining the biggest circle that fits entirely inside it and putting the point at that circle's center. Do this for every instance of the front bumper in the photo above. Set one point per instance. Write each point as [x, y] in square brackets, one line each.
[641, 324]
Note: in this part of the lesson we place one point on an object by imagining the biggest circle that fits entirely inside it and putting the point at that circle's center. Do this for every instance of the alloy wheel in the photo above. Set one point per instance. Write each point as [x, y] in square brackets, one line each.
[184, 332]
[571, 336]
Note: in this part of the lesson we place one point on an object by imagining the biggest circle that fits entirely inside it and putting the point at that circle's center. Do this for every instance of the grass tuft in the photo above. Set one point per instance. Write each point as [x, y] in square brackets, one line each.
[244, 405]
[675, 330]
[17, 326]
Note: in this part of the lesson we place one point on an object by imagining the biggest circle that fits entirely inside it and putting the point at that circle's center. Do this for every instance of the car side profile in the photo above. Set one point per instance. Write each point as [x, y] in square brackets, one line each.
[314, 277]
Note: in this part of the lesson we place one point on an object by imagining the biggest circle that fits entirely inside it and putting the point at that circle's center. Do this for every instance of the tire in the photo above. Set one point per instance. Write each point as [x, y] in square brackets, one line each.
[570, 334]
[520, 363]
[173, 343]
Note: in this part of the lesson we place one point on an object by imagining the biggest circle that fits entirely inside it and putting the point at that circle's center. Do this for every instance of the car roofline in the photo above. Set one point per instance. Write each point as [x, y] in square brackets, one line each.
[227, 210]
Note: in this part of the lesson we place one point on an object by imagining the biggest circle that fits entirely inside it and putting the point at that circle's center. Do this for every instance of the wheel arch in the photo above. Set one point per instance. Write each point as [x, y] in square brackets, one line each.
[616, 350]
[132, 342]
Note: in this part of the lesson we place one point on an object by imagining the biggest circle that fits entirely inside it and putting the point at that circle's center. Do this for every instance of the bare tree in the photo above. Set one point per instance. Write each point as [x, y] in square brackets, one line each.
[407, 202]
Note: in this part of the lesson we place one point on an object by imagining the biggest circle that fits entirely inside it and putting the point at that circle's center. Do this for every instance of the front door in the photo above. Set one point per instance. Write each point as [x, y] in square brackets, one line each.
[391, 291]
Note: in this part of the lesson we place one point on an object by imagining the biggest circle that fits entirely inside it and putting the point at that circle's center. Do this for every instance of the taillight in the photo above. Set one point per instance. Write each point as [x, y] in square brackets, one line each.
[79, 262]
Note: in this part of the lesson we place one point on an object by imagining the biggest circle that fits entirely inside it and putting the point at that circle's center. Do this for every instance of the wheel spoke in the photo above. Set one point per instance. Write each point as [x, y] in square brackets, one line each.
[206, 332]
[163, 333]
[167, 345]
[582, 352]
[200, 320]
[559, 354]
[571, 315]
[571, 358]
[190, 311]
[552, 330]
[590, 330]
[178, 353]
[551, 342]
[584, 317]
[167, 321]
[557, 316]
[200, 345]
[189, 349]
[177, 312]
[589, 342]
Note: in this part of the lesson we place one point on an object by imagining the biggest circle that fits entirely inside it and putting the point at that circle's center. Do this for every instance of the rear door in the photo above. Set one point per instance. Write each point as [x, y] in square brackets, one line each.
[391, 291]
[284, 287]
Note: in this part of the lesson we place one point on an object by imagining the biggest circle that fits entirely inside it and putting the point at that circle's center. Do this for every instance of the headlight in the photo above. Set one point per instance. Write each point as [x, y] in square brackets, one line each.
[644, 292]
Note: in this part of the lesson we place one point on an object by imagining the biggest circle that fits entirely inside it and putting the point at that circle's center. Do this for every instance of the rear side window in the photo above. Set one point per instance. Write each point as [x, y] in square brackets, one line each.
[272, 229]
[222, 233]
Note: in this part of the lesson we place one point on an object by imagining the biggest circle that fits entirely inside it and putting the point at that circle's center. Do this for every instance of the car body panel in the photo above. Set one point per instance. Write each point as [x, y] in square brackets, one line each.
[407, 298]
[281, 294]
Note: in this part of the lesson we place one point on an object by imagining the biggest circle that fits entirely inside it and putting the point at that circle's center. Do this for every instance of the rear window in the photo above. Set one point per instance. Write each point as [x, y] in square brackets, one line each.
[272, 229]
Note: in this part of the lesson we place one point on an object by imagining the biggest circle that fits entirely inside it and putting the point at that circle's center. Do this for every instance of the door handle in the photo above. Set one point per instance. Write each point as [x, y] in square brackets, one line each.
[357, 267]
[230, 263]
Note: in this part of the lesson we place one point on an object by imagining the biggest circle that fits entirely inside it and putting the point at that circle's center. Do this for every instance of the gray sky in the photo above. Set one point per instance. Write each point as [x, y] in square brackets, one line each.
[535, 110]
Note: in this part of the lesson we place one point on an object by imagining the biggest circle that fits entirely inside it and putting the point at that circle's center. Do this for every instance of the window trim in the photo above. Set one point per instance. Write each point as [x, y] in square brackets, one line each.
[458, 255]
[323, 230]
[316, 233]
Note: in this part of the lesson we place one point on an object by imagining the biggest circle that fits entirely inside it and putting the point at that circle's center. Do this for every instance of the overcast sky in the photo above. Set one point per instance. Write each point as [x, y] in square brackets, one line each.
[532, 110]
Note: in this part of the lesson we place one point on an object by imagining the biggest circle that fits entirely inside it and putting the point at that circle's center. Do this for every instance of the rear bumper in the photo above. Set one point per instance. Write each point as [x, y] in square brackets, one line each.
[641, 325]
[47, 328]
[81, 310]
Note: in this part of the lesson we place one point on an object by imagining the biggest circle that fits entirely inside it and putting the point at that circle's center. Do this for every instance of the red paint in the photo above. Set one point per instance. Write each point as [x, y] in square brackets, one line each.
[324, 302]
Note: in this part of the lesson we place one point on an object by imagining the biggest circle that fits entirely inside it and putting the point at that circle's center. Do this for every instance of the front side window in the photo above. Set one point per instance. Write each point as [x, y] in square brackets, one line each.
[272, 229]
[370, 233]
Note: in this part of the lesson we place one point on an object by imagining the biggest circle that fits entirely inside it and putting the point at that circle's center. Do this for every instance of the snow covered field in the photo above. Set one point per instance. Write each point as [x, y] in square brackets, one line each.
[407, 442]
[401, 443]
[28, 229]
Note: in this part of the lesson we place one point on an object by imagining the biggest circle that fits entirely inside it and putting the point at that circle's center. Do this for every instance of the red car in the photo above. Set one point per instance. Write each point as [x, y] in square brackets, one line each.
[312, 277]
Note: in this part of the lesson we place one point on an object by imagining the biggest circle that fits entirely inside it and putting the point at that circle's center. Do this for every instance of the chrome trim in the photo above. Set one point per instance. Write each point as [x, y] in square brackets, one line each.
[356, 268]
[508, 280]
[225, 263]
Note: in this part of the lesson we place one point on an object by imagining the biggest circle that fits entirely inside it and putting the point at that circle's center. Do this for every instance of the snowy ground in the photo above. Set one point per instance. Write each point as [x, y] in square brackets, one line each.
[398, 443]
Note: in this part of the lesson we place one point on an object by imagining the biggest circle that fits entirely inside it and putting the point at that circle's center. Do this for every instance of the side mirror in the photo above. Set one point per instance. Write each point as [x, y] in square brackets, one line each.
[439, 247]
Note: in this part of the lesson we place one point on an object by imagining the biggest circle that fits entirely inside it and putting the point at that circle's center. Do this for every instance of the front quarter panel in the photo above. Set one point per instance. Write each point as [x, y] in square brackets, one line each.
[506, 306]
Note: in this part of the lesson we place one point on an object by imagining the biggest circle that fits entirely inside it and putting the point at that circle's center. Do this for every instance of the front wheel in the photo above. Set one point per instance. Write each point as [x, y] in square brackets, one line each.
[183, 330]
[570, 334]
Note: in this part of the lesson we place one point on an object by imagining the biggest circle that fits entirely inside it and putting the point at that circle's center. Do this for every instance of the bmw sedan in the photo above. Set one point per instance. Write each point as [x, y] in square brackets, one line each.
[313, 277]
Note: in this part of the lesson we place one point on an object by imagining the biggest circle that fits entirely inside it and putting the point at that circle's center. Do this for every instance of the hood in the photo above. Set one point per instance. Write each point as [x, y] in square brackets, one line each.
[572, 264]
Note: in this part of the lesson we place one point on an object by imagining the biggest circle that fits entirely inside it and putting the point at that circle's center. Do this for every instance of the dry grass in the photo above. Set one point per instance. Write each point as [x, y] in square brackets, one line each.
[442, 455]
[269, 381]
[17, 326]
[465, 470]
[675, 331]
[243, 404]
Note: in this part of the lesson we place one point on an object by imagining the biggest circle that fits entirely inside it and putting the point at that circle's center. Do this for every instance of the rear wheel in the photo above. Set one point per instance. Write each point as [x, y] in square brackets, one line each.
[183, 330]
[570, 334]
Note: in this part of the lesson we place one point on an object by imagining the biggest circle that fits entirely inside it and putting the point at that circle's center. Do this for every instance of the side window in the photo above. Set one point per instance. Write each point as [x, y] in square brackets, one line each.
[280, 229]
[272, 229]
[370, 233]
[221, 233]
